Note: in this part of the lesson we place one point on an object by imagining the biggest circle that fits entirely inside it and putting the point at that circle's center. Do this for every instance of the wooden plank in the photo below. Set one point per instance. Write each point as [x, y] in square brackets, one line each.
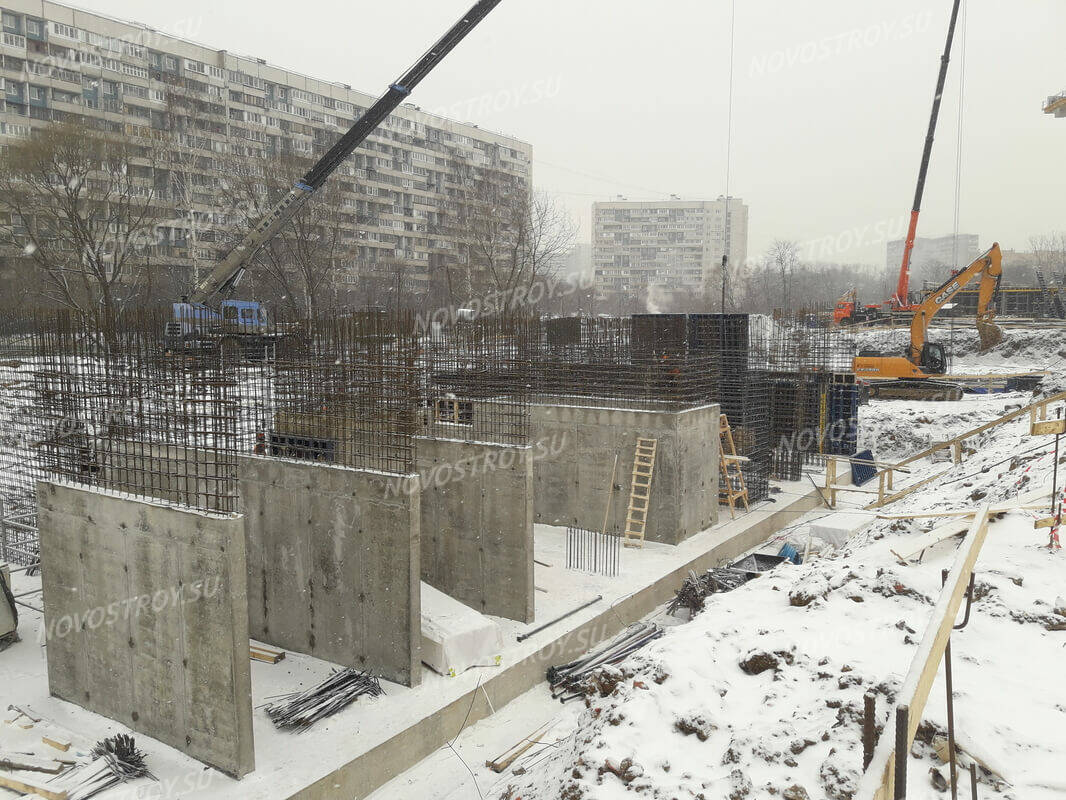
[25, 786]
[919, 544]
[30, 763]
[877, 782]
[904, 492]
[1044, 428]
[58, 742]
[1046, 522]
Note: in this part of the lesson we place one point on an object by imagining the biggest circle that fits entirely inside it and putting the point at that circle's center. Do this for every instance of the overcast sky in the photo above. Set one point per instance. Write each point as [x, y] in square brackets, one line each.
[831, 100]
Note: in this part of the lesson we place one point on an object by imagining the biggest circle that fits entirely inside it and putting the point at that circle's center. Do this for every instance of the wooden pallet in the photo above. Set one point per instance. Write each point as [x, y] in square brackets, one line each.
[640, 492]
[733, 487]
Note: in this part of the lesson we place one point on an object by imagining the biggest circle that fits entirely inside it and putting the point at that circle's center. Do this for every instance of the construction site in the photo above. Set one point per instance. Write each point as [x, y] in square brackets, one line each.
[251, 553]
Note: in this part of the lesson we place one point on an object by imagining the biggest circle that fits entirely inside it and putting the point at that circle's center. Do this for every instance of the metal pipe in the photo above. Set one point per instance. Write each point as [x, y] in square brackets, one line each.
[523, 636]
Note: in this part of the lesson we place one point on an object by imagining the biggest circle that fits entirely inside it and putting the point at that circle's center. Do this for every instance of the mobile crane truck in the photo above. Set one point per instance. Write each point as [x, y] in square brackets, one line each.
[196, 322]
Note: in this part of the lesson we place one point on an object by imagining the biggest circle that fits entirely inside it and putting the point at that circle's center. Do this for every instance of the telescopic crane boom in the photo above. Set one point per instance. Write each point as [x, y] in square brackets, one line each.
[230, 269]
[899, 299]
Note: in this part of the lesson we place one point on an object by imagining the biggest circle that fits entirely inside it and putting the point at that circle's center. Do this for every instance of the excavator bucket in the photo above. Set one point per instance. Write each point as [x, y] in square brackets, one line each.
[991, 334]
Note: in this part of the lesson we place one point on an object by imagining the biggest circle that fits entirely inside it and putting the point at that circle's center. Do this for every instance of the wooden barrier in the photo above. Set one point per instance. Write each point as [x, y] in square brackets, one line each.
[878, 782]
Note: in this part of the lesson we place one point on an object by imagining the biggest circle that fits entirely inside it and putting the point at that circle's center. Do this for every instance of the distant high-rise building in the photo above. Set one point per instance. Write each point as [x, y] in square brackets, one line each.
[670, 244]
[933, 252]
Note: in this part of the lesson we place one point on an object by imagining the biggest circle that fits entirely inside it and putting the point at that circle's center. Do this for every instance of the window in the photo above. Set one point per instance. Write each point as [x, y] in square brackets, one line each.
[34, 27]
[135, 71]
[10, 22]
[216, 72]
[112, 64]
[65, 31]
[38, 93]
[170, 63]
[195, 66]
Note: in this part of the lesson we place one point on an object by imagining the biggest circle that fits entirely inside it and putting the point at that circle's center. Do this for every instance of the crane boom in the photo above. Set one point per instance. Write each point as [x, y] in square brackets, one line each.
[899, 299]
[229, 270]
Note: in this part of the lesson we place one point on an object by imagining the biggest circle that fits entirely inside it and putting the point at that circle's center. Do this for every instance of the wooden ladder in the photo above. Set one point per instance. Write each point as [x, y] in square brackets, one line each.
[733, 487]
[640, 492]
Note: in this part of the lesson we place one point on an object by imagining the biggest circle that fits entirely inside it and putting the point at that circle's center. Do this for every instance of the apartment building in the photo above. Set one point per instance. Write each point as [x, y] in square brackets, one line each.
[933, 252]
[676, 245]
[399, 191]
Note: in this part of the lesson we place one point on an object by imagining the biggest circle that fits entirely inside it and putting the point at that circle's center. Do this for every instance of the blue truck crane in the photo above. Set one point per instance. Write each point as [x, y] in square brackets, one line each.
[209, 313]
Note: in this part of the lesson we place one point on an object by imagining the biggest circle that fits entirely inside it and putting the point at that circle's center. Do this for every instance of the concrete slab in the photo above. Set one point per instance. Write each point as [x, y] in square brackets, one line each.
[146, 619]
[333, 564]
[477, 524]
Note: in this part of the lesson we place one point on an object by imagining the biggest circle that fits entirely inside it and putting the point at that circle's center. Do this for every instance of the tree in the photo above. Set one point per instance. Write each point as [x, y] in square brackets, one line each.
[512, 236]
[303, 263]
[783, 258]
[81, 205]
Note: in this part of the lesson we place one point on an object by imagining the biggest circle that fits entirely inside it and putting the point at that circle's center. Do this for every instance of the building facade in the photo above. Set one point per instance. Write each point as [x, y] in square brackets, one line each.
[398, 193]
[674, 245]
[931, 253]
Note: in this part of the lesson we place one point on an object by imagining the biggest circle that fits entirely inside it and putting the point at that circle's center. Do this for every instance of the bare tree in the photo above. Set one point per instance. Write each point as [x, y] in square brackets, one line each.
[305, 261]
[1049, 250]
[81, 206]
[513, 236]
[783, 257]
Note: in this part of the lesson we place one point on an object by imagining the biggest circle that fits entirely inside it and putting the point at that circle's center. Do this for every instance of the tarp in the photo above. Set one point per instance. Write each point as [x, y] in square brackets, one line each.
[455, 637]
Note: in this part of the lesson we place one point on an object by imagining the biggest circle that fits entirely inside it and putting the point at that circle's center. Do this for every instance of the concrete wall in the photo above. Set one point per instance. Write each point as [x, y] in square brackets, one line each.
[333, 564]
[477, 524]
[146, 613]
[571, 481]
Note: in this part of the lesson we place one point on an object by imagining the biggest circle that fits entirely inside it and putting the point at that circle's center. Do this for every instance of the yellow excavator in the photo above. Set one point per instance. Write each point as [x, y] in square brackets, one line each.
[919, 373]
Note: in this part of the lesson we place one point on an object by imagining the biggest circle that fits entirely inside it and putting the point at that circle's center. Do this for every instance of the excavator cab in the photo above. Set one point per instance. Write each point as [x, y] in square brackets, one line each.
[934, 359]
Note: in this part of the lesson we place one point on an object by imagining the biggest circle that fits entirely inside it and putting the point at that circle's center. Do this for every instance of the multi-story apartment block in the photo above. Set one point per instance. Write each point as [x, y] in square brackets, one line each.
[674, 244]
[934, 252]
[399, 191]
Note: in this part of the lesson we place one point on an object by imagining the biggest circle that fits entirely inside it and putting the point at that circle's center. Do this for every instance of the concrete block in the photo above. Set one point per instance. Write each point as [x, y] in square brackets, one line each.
[333, 564]
[146, 617]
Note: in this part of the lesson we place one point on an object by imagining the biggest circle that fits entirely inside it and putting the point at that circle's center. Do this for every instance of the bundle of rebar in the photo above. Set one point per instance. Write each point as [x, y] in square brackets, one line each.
[697, 588]
[115, 760]
[300, 710]
[566, 680]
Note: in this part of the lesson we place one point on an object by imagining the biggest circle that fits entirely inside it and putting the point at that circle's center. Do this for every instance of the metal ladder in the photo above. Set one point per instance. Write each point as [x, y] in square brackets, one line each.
[640, 492]
[733, 487]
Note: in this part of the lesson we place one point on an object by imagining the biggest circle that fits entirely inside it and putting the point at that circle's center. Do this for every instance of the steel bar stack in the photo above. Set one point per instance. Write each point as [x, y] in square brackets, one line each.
[300, 710]
[566, 680]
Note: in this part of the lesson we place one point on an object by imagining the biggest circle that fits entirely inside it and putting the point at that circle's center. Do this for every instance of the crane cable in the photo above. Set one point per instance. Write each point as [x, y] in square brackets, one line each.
[729, 151]
[958, 150]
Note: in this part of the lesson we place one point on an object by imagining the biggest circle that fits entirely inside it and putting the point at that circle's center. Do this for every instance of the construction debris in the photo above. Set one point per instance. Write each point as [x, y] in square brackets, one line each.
[503, 761]
[301, 710]
[566, 680]
[696, 588]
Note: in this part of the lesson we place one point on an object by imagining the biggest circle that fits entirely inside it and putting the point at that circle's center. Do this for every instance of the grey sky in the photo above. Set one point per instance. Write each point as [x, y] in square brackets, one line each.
[831, 100]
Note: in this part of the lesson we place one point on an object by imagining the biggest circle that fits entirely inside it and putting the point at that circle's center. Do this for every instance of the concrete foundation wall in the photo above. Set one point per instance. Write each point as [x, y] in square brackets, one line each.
[571, 481]
[146, 613]
[333, 564]
[477, 524]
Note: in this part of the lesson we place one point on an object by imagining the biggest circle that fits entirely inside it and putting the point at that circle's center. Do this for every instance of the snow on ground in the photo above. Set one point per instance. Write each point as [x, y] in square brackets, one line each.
[761, 694]
[1022, 348]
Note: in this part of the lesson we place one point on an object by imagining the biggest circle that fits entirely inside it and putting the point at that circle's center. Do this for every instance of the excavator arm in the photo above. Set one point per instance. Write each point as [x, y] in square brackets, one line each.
[990, 267]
